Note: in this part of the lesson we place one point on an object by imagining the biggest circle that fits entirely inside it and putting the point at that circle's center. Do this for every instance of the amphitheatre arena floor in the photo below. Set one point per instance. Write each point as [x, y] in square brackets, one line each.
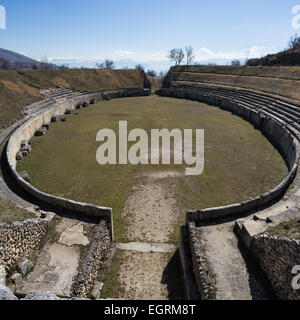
[149, 202]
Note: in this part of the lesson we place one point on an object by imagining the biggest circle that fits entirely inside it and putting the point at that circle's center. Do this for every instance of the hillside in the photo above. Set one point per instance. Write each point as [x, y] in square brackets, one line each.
[15, 58]
[19, 88]
[279, 81]
[284, 58]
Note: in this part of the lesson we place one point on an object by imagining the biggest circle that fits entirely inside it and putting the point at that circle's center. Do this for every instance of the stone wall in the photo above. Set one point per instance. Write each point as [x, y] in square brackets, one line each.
[19, 239]
[203, 273]
[274, 130]
[27, 131]
[99, 249]
[277, 257]
[282, 137]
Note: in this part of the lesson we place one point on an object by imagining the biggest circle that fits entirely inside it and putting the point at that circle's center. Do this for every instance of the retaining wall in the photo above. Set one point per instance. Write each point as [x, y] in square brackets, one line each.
[277, 257]
[27, 131]
[203, 274]
[99, 249]
[19, 239]
[283, 138]
[277, 133]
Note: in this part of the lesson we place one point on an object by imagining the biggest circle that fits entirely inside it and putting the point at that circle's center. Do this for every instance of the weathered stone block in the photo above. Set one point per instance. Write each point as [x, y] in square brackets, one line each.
[24, 267]
[68, 111]
[17, 279]
[41, 132]
[96, 293]
[6, 294]
[26, 148]
[2, 276]
[41, 296]
[24, 175]
[55, 118]
[19, 156]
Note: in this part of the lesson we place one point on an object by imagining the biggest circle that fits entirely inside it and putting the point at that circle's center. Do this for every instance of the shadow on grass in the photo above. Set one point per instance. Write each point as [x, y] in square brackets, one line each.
[172, 277]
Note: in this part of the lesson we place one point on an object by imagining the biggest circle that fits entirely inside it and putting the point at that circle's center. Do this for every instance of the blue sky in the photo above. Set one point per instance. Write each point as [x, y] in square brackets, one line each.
[145, 30]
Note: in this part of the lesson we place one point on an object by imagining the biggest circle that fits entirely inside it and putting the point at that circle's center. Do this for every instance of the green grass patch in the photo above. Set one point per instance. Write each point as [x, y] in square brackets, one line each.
[19, 88]
[9, 212]
[290, 229]
[112, 287]
[239, 161]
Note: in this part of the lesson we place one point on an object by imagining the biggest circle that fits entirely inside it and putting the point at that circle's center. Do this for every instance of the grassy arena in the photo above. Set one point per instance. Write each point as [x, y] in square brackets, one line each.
[239, 161]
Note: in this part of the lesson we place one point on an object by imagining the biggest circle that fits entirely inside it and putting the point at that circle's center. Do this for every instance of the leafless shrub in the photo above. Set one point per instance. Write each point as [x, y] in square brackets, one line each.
[176, 55]
[189, 55]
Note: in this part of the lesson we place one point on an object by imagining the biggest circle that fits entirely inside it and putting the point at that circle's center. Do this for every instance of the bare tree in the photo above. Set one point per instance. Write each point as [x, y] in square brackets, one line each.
[4, 64]
[180, 56]
[34, 66]
[236, 63]
[100, 65]
[294, 43]
[64, 66]
[107, 64]
[45, 64]
[151, 73]
[139, 67]
[172, 55]
[189, 55]
[176, 55]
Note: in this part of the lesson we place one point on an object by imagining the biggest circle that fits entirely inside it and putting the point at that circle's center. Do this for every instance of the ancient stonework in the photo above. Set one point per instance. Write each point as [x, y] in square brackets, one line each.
[277, 257]
[203, 274]
[19, 239]
[99, 249]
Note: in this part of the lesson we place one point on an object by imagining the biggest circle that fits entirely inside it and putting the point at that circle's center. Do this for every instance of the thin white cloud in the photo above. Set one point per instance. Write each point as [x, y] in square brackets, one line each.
[124, 54]
[147, 57]
[202, 54]
[153, 57]
[251, 52]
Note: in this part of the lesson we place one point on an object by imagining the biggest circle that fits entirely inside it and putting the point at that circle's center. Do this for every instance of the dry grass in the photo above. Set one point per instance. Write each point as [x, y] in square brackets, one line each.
[19, 88]
[283, 81]
[292, 73]
[61, 83]
[12, 86]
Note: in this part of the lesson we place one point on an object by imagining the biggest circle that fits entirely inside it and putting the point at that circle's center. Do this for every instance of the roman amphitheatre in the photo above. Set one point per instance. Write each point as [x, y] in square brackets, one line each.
[72, 229]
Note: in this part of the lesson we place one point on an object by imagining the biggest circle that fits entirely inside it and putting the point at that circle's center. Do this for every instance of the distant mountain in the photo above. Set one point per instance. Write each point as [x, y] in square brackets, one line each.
[119, 64]
[163, 65]
[15, 59]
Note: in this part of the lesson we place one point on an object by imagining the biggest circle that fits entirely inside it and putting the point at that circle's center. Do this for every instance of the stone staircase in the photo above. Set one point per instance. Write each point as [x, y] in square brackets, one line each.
[283, 211]
[265, 104]
[220, 247]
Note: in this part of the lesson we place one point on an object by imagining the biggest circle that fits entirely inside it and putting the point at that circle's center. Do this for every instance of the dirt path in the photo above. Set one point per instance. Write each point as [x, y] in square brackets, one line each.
[142, 275]
[152, 212]
[235, 280]
[57, 263]
[153, 215]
